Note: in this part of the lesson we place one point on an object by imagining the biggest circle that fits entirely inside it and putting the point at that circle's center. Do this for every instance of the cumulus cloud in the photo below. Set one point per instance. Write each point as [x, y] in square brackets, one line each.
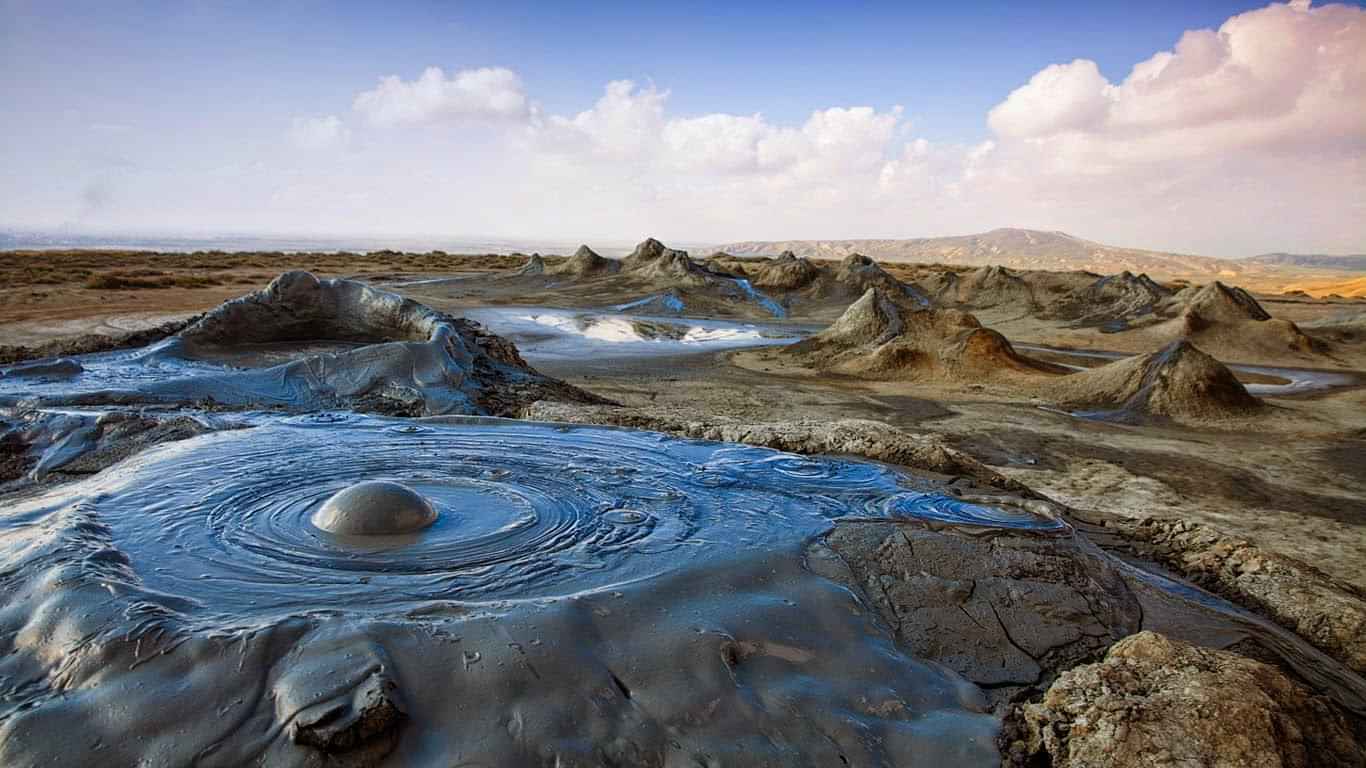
[1285, 74]
[1238, 139]
[487, 92]
[1254, 131]
[319, 133]
[629, 123]
[624, 123]
[1061, 97]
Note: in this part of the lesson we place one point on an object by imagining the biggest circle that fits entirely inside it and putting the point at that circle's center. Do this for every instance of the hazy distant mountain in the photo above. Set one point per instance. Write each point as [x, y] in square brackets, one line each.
[1354, 262]
[1018, 249]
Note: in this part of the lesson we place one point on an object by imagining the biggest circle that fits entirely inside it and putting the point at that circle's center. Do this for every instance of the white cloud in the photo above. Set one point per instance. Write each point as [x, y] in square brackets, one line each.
[1061, 97]
[1249, 137]
[629, 124]
[624, 123]
[1252, 132]
[319, 133]
[638, 159]
[1202, 147]
[469, 93]
[1284, 74]
[716, 143]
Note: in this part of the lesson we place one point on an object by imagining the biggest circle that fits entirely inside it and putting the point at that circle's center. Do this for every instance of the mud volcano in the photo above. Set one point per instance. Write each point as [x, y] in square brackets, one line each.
[579, 597]
[662, 580]
[885, 335]
[303, 343]
[1178, 381]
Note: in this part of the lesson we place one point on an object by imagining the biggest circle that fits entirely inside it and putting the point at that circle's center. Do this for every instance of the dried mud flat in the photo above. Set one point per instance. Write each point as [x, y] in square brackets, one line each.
[712, 557]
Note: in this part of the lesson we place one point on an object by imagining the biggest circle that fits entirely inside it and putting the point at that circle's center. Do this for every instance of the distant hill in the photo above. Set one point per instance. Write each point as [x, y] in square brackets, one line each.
[1031, 249]
[1349, 288]
[1350, 263]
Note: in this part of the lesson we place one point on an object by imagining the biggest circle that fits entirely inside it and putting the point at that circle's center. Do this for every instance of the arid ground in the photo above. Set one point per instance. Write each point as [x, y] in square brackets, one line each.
[1292, 477]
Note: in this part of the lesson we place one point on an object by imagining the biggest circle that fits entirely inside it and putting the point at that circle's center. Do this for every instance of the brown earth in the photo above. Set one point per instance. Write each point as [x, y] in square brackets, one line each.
[1294, 482]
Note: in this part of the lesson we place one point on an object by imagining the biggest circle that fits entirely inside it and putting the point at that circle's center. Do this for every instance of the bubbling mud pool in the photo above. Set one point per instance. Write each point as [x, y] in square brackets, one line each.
[606, 596]
[521, 510]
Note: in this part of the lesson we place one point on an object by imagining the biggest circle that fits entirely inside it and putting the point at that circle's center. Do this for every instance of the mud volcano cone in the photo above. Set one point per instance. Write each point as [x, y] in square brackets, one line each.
[585, 262]
[1179, 380]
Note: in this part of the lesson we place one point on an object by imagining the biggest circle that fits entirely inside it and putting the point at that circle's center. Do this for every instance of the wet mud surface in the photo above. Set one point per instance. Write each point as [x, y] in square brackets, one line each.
[524, 511]
[187, 587]
[582, 560]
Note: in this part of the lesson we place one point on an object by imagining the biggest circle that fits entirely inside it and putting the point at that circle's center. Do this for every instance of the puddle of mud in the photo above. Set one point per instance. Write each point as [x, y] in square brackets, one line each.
[661, 578]
[525, 511]
[542, 333]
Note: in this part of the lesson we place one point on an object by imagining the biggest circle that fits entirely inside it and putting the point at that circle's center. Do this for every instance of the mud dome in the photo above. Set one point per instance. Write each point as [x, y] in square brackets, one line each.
[606, 596]
[375, 508]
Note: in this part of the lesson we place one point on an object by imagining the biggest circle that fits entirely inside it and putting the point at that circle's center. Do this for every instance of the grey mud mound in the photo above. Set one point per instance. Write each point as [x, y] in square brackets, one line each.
[534, 265]
[787, 272]
[657, 263]
[1157, 701]
[880, 335]
[984, 288]
[395, 356]
[1178, 381]
[585, 263]
[858, 273]
[794, 274]
[1112, 302]
[1219, 302]
[1230, 320]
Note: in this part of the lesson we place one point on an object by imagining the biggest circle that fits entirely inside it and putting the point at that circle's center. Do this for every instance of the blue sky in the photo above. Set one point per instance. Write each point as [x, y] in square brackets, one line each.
[116, 104]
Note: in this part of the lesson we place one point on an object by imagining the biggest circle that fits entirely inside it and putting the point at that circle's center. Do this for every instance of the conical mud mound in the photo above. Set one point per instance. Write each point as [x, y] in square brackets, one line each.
[882, 334]
[1177, 381]
[534, 265]
[653, 261]
[861, 273]
[1219, 302]
[585, 263]
[983, 288]
[787, 272]
[1112, 299]
[1229, 319]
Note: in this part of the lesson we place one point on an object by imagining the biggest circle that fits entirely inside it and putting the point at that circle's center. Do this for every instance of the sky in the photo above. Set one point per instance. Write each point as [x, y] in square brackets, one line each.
[1225, 129]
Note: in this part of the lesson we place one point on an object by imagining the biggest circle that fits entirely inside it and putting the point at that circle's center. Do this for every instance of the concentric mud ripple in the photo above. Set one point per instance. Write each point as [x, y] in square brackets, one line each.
[524, 511]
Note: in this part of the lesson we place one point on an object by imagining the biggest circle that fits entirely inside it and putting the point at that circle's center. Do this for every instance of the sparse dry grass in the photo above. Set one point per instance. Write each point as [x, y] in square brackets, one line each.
[24, 268]
[66, 284]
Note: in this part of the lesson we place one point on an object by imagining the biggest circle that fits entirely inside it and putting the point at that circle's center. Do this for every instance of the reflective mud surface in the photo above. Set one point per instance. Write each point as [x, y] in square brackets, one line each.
[577, 596]
[605, 596]
[558, 333]
[124, 369]
[523, 511]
